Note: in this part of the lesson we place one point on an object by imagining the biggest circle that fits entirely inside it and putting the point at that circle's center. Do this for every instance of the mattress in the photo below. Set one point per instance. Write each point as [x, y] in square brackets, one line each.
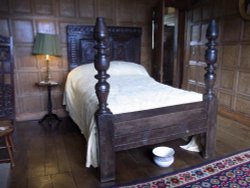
[131, 89]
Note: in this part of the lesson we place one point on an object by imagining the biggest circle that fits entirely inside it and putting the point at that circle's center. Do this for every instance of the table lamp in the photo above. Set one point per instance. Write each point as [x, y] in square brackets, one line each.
[47, 44]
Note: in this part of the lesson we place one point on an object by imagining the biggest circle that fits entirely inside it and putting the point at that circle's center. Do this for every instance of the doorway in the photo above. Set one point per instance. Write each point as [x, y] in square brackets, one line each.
[168, 28]
[168, 51]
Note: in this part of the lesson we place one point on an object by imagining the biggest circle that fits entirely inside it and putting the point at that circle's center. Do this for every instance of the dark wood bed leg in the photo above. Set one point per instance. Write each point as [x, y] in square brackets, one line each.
[209, 96]
[103, 114]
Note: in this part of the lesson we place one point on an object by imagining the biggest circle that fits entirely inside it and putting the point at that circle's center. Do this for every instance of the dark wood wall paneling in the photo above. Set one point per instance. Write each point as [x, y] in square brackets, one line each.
[233, 68]
[22, 19]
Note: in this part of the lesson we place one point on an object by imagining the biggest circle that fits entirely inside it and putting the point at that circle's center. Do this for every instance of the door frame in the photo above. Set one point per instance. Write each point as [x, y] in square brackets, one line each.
[179, 41]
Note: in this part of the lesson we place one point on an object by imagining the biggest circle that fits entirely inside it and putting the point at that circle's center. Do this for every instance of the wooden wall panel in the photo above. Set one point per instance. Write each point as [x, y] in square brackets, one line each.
[23, 31]
[200, 74]
[4, 25]
[4, 6]
[25, 107]
[245, 57]
[64, 59]
[207, 10]
[29, 103]
[230, 55]
[246, 31]
[244, 86]
[23, 6]
[45, 7]
[196, 14]
[231, 30]
[231, 7]
[218, 9]
[202, 52]
[106, 9]
[225, 99]
[233, 65]
[195, 33]
[67, 8]
[203, 33]
[143, 12]
[243, 106]
[23, 59]
[56, 63]
[86, 8]
[62, 31]
[194, 52]
[192, 73]
[46, 26]
[23, 19]
[227, 79]
[27, 84]
[124, 12]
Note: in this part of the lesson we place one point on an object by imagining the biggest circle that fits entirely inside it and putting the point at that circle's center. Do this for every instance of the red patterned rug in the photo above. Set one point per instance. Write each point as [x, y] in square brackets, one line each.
[231, 171]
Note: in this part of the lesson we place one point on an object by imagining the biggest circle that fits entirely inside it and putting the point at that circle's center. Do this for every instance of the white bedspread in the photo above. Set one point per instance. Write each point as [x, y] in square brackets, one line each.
[132, 89]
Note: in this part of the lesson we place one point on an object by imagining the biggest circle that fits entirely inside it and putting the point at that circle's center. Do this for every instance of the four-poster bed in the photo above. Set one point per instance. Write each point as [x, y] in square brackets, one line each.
[121, 130]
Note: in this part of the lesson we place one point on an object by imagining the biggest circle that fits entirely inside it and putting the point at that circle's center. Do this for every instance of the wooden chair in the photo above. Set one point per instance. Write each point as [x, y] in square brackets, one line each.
[6, 130]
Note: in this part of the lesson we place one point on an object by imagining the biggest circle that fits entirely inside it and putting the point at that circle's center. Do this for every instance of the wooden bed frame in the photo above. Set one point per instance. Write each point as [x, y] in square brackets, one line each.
[131, 130]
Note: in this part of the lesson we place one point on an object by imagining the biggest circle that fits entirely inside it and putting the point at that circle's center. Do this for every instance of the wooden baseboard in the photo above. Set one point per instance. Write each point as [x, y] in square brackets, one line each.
[241, 118]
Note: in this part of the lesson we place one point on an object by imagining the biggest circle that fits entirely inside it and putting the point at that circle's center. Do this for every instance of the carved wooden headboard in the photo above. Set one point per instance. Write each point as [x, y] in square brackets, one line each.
[125, 44]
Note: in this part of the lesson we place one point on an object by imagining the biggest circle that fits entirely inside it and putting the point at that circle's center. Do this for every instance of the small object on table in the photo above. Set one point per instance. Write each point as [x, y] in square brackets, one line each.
[50, 115]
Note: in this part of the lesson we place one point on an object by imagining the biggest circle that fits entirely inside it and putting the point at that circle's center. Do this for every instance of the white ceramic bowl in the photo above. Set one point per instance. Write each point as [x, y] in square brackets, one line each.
[163, 156]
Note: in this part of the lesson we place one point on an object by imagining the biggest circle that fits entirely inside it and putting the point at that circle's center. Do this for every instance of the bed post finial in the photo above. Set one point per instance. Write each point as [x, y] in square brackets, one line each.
[211, 58]
[101, 65]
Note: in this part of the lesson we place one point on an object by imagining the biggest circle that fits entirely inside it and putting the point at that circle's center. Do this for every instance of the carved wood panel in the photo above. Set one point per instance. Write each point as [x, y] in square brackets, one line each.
[81, 44]
[7, 107]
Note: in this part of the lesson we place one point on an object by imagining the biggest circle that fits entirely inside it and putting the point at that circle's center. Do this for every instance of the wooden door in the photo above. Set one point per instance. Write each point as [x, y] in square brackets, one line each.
[178, 42]
[168, 63]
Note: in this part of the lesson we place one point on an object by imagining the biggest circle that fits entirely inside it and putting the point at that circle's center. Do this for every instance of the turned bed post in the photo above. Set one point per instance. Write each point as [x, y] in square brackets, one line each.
[103, 115]
[209, 96]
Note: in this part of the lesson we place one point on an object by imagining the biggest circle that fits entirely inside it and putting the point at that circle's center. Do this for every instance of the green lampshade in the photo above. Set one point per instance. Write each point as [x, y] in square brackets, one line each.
[47, 44]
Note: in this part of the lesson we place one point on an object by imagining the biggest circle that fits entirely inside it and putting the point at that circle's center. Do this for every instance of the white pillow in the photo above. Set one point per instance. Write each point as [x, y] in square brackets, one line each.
[126, 68]
[117, 68]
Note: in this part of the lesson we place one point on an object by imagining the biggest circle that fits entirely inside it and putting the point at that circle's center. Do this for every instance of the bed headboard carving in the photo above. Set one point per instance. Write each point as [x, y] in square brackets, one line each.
[125, 44]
